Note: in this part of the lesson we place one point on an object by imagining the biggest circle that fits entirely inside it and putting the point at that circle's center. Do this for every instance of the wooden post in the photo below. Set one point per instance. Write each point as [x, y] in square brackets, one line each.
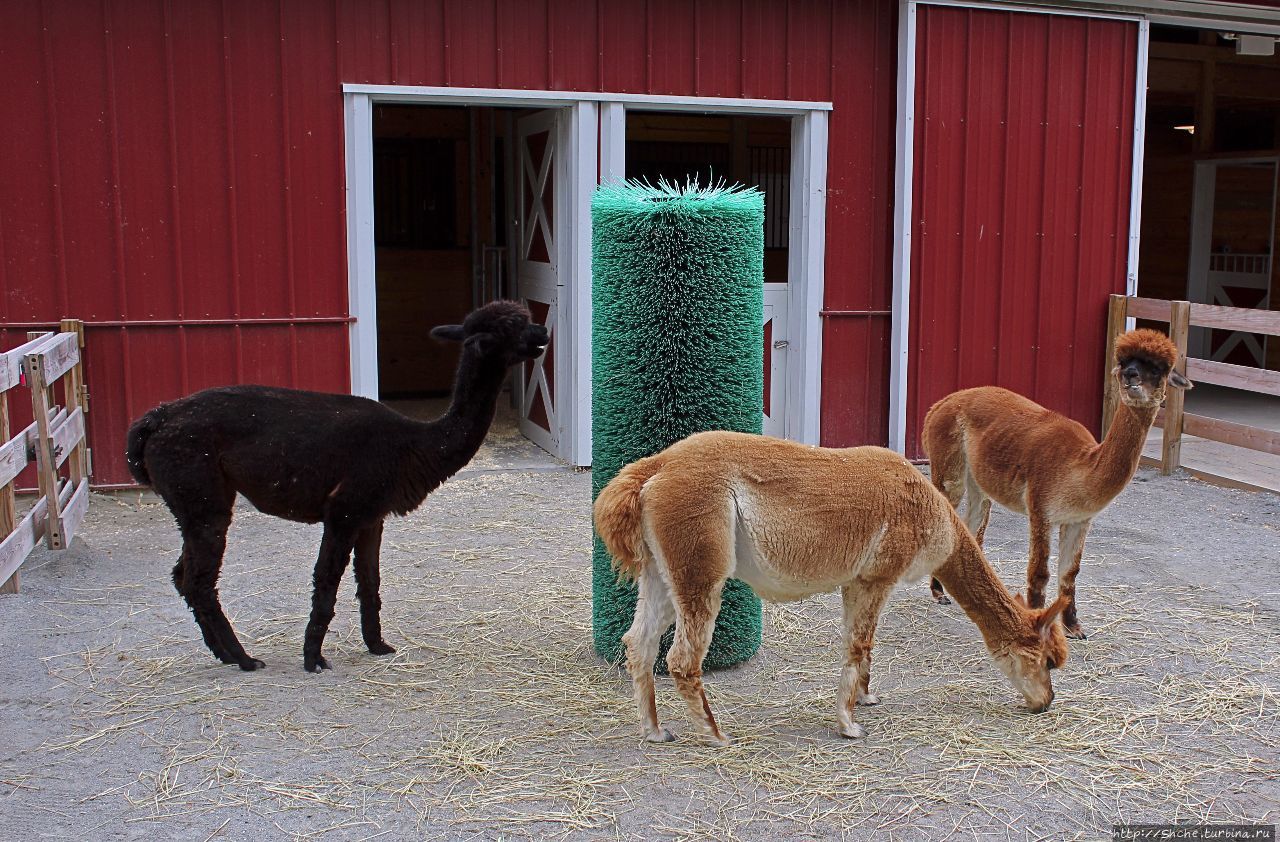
[1117, 312]
[46, 462]
[8, 513]
[73, 388]
[1171, 447]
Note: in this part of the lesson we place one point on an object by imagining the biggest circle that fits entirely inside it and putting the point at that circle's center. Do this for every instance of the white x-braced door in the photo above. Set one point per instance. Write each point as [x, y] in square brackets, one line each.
[537, 273]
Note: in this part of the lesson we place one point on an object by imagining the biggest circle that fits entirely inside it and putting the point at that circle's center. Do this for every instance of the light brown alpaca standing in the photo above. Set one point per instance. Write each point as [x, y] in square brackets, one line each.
[791, 521]
[989, 444]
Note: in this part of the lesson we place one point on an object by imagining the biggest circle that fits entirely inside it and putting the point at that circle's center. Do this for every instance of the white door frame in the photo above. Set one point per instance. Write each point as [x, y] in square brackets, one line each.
[899, 357]
[806, 247]
[577, 171]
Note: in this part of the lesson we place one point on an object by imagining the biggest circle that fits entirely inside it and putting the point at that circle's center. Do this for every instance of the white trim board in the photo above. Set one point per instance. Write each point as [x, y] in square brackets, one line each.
[653, 102]
[903, 181]
[1205, 14]
[361, 287]
[1139, 142]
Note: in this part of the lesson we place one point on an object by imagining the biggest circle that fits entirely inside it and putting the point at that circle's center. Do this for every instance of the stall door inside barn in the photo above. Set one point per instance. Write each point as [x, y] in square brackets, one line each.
[1020, 204]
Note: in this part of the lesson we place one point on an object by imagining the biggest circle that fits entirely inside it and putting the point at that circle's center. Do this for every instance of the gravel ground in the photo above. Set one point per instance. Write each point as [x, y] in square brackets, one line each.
[495, 719]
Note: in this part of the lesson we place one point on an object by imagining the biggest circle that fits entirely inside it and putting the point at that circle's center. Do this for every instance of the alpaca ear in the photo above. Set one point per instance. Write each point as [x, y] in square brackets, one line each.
[453, 333]
[1177, 381]
[1044, 619]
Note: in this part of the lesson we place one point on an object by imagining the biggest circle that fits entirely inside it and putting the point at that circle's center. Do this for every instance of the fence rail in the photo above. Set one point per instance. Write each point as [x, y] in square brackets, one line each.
[1175, 422]
[55, 438]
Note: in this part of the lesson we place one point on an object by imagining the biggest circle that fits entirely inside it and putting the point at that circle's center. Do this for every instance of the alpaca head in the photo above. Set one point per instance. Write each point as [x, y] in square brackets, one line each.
[1144, 367]
[1038, 646]
[501, 329]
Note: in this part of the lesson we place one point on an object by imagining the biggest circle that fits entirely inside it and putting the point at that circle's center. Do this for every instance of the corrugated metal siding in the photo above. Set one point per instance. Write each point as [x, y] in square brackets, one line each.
[1024, 138]
[174, 170]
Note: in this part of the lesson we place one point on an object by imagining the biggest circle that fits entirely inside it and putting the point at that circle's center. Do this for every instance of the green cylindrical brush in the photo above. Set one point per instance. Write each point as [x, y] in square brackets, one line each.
[677, 348]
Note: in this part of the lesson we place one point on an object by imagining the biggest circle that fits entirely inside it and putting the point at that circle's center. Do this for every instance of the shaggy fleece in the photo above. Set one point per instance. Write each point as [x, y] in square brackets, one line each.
[677, 348]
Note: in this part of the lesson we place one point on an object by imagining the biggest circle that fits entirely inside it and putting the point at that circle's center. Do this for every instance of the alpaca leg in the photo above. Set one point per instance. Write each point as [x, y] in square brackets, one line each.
[206, 630]
[977, 512]
[1038, 561]
[939, 593]
[1070, 550]
[654, 614]
[335, 553]
[368, 585]
[204, 544]
[695, 622]
[862, 604]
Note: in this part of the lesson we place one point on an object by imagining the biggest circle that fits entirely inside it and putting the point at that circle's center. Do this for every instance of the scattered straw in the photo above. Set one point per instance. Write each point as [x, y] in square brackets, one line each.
[495, 719]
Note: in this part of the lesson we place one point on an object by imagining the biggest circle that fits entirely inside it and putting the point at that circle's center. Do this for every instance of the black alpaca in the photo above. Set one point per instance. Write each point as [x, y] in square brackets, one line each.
[338, 459]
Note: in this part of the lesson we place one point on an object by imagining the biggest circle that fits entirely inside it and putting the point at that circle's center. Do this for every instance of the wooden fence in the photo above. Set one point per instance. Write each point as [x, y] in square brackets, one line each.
[55, 437]
[1181, 316]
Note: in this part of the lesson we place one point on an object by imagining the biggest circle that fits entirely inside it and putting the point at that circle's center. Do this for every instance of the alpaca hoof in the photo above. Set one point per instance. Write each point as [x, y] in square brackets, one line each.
[868, 699]
[1075, 632]
[853, 731]
[381, 647]
[318, 665]
[719, 740]
[251, 664]
[662, 735]
[942, 599]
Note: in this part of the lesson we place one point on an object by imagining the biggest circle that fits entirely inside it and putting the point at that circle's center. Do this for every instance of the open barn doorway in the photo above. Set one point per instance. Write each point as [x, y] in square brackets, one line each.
[458, 224]
[1210, 196]
[751, 150]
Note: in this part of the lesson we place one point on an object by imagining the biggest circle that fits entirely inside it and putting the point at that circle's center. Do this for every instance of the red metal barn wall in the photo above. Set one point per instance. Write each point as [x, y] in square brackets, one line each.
[173, 169]
[1023, 154]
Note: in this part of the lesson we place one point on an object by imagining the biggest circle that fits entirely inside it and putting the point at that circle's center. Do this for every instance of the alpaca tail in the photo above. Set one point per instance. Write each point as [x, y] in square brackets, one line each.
[618, 517]
[941, 440]
[136, 443]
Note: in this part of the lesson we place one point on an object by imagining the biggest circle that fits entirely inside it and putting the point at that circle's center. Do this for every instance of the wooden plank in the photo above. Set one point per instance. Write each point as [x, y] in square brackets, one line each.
[11, 361]
[1171, 448]
[1229, 432]
[1117, 310]
[56, 357]
[73, 511]
[8, 513]
[1151, 309]
[1236, 318]
[1210, 315]
[14, 456]
[46, 468]
[15, 549]
[66, 437]
[1236, 376]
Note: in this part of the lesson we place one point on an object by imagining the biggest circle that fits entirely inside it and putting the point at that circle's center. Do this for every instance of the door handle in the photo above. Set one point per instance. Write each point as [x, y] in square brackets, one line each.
[781, 343]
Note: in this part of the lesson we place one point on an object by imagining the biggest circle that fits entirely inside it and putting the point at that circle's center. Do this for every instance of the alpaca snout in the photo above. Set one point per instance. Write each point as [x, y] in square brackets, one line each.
[1043, 707]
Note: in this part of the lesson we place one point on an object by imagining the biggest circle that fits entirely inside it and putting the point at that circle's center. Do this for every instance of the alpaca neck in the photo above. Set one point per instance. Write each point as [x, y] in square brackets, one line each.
[1116, 459]
[974, 585]
[444, 446]
[456, 436]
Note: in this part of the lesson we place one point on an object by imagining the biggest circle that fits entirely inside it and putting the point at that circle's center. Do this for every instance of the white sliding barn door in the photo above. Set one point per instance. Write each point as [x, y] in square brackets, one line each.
[537, 272]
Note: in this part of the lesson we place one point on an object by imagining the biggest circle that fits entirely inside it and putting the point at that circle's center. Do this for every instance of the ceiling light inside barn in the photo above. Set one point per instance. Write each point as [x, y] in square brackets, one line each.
[1187, 129]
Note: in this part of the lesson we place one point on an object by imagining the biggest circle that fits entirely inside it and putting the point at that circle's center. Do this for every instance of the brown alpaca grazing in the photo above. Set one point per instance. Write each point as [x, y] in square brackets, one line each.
[344, 461]
[791, 521]
[989, 444]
